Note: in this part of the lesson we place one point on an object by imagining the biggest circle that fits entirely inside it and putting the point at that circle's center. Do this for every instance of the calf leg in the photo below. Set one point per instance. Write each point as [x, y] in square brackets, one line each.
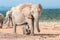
[8, 22]
[25, 29]
[1, 24]
[31, 27]
[14, 29]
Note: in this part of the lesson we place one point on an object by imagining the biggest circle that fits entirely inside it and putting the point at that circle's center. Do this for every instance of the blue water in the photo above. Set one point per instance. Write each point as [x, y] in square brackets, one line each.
[47, 14]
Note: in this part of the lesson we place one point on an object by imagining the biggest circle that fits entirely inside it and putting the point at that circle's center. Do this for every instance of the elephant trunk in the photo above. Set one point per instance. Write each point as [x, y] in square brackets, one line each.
[36, 16]
[37, 24]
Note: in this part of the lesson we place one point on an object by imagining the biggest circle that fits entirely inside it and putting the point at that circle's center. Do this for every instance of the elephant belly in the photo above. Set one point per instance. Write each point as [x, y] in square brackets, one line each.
[19, 19]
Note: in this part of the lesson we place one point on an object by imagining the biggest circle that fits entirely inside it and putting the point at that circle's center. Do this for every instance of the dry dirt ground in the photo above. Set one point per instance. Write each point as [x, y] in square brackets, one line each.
[48, 31]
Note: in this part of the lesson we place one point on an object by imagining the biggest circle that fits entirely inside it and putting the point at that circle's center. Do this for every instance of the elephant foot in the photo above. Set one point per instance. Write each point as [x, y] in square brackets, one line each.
[28, 32]
[32, 34]
[0, 26]
[14, 33]
[38, 30]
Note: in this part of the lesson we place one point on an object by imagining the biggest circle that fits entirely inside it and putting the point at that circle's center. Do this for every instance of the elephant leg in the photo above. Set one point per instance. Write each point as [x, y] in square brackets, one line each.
[12, 22]
[31, 27]
[28, 31]
[1, 24]
[8, 22]
[33, 24]
[14, 29]
[25, 29]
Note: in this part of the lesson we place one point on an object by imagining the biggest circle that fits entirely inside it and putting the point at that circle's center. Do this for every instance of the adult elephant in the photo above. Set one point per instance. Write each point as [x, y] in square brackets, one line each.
[19, 18]
[34, 12]
[1, 20]
[27, 13]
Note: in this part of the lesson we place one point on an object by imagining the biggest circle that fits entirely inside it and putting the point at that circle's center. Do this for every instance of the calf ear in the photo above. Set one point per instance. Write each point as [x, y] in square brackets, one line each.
[39, 8]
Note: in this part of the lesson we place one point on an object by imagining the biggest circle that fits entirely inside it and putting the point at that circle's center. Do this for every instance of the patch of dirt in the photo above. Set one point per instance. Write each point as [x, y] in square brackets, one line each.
[48, 31]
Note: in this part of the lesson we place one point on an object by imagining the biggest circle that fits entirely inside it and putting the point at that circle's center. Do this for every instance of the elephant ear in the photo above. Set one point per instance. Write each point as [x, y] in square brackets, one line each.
[39, 8]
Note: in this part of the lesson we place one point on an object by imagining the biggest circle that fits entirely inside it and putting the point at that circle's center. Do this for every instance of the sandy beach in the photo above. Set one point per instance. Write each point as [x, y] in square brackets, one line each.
[48, 31]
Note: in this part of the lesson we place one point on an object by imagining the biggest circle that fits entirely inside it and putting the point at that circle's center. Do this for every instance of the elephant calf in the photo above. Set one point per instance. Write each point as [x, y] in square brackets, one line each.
[1, 20]
[8, 18]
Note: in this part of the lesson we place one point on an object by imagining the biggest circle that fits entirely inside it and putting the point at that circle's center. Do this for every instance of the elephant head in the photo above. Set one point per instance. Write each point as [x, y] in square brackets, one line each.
[36, 12]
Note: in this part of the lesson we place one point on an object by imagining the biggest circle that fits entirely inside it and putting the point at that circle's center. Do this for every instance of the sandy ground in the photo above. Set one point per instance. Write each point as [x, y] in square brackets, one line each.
[48, 31]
